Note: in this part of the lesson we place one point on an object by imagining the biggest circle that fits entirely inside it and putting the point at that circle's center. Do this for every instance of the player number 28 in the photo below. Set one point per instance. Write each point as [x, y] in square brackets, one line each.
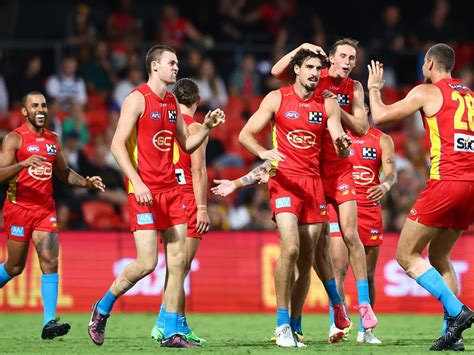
[464, 102]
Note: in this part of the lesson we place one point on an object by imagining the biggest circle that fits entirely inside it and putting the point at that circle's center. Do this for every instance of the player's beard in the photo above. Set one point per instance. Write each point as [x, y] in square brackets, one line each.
[32, 119]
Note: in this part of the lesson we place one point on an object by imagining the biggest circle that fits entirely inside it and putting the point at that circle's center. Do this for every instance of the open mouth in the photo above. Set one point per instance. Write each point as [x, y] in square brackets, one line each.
[40, 116]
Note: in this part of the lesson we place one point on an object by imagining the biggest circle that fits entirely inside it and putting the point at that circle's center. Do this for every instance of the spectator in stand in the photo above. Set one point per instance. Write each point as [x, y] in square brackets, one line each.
[3, 99]
[66, 86]
[76, 124]
[99, 73]
[211, 87]
[230, 27]
[245, 80]
[466, 75]
[192, 64]
[125, 86]
[54, 123]
[175, 29]
[80, 31]
[30, 80]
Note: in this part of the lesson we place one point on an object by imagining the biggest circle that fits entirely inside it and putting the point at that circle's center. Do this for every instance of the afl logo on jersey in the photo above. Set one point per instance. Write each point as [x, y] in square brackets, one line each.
[155, 115]
[33, 149]
[362, 175]
[292, 115]
[301, 139]
[43, 172]
[163, 140]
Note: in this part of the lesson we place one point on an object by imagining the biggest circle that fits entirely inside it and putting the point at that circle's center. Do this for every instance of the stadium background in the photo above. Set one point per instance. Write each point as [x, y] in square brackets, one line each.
[228, 47]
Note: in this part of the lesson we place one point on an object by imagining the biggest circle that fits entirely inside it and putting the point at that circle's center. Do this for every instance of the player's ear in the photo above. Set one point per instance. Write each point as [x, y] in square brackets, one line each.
[24, 112]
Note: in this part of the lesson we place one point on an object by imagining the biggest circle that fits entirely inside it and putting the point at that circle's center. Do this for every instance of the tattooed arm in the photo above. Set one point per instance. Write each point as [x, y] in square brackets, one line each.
[388, 167]
[258, 175]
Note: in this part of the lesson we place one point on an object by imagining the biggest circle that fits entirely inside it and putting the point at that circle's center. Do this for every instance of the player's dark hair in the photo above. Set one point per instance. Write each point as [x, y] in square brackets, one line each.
[344, 42]
[443, 55]
[186, 92]
[300, 57]
[154, 54]
[31, 93]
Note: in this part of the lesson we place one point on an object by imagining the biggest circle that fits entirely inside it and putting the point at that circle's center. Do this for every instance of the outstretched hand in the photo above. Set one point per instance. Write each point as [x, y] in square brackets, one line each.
[375, 80]
[95, 183]
[343, 142]
[224, 187]
[214, 118]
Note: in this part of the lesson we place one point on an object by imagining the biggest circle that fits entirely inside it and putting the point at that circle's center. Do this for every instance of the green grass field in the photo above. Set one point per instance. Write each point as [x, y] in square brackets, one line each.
[226, 334]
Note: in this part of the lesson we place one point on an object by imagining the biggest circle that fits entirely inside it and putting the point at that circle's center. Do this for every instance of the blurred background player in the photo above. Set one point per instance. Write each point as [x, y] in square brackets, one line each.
[298, 119]
[336, 173]
[30, 156]
[149, 123]
[444, 208]
[191, 174]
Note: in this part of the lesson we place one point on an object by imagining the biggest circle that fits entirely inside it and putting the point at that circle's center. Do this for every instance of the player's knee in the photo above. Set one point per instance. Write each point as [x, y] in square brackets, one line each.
[14, 270]
[351, 237]
[49, 264]
[402, 259]
[290, 253]
[146, 267]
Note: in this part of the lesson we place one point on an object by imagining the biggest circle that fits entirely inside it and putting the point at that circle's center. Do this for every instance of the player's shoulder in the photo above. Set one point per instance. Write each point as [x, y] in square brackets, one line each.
[358, 85]
[273, 98]
[13, 139]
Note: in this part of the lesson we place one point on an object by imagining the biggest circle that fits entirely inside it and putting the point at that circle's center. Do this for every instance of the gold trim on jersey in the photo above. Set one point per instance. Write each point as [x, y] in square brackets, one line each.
[274, 163]
[132, 149]
[12, 189]
[435, 150]
[175, 153]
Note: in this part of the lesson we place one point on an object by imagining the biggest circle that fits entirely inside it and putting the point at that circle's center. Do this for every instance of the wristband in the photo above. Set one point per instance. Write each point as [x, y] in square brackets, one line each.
[238, 183]
[387, 185]
[202, 207]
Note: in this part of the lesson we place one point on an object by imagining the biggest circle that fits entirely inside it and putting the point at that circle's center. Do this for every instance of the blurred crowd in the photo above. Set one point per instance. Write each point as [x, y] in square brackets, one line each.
[228, 48]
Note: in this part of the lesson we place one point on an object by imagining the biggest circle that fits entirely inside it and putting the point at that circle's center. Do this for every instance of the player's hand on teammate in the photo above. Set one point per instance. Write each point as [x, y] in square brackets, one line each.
[214, 118]
[272, 155]
[343, 142]
[224, 187]
[34, 160]
[314, 48]
[376, 193]
[329, 94]
[95, 183]
[263, 174]
[203, 221]
[375, 80]
[142, 194]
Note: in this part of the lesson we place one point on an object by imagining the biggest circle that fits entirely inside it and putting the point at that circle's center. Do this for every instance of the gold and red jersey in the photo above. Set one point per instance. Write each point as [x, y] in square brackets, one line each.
[33, 186]
[451, 133]
[182, 162]
[150, 144]
[366, 158]
[297, 130]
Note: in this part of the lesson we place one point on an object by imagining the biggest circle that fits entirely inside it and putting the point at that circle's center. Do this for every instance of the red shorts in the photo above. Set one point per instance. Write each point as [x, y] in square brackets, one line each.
[191, 211]
[166, 211]
[20, 222]
[369, 224]
[303, 196]
[445, 204]
[339, 187]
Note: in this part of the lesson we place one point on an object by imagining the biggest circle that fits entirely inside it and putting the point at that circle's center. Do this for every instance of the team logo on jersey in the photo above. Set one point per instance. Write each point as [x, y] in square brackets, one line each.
[301, 139]
[369, 153]
[343, 187]
[163, 140]
[17, 231]
[315, 117]
[283, 202]
[292, 115]
[463, 143]
[458, 87]
[51, 149]
[155, 115]
[362, 175]
[172, 116]
[33, 149]
[42, 172]
[343, 99]
[374, 231]
[144, 218]
[413, 212]
[351, 152]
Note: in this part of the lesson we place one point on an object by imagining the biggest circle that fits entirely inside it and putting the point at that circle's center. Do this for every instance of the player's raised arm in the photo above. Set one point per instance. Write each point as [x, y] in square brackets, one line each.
[281, 70]
[424, 96]
[68, 175]
[268, 107]
[339, 137]
[8, 165]
[199, 174]
[259, 175]
[388, 167]
[356, 121]
[132, 108]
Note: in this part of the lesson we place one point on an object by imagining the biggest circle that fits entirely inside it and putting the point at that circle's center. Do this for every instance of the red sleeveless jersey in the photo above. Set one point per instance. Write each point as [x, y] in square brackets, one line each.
[297, 129]
[33, 186]
[366, 159]
[451, 133]
[150, 145]
[345, 96]
[182, 162]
